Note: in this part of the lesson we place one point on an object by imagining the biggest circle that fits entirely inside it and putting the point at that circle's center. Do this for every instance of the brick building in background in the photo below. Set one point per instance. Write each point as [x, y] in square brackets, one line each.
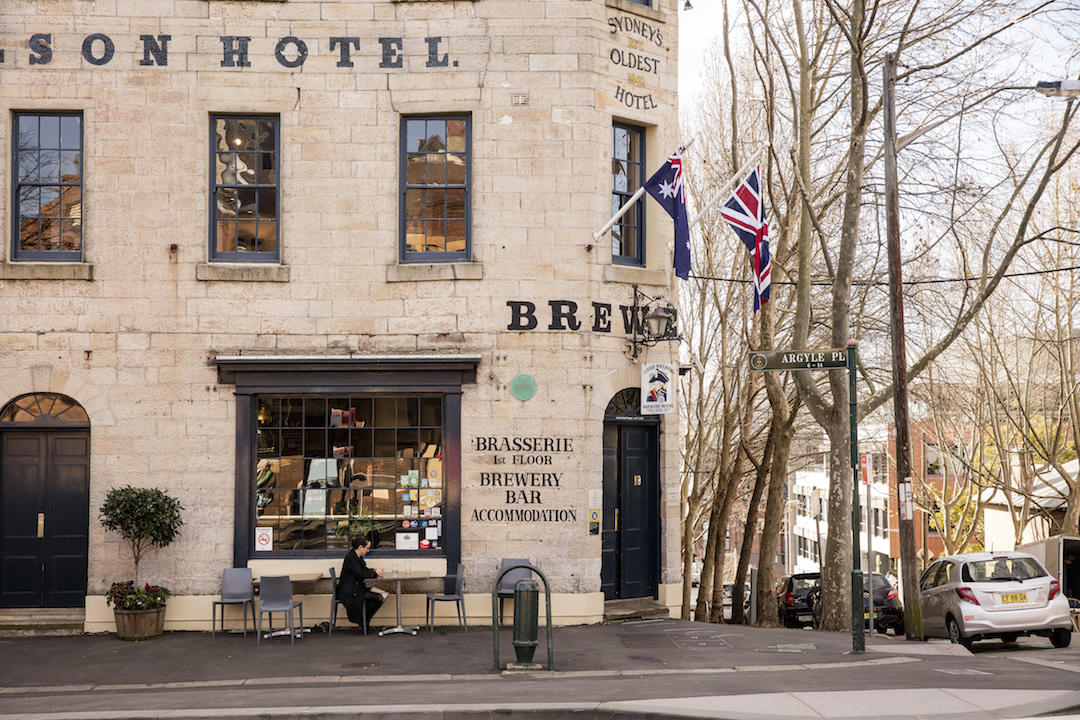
[319, 267]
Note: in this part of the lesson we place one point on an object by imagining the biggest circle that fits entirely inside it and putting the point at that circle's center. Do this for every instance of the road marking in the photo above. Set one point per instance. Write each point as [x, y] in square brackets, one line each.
[1056, 664]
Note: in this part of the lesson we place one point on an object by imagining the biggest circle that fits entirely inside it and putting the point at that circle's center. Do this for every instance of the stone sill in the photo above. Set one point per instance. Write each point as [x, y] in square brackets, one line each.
[420, 272]
[46, 271]
[236, 272]
[634, 275]
[631, 7]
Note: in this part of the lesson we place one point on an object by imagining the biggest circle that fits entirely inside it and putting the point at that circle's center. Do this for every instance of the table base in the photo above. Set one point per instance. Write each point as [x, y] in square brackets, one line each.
[280, 633]
[399, 629]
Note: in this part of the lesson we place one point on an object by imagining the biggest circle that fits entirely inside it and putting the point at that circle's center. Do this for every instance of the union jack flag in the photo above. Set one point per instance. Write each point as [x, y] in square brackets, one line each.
[745, 213]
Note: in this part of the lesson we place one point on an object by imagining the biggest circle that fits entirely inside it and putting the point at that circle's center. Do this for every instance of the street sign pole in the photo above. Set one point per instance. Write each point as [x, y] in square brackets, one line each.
[829, 359]
[858, 640]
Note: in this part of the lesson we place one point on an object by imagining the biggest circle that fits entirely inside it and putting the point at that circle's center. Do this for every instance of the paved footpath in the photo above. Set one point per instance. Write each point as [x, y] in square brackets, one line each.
[645, 670]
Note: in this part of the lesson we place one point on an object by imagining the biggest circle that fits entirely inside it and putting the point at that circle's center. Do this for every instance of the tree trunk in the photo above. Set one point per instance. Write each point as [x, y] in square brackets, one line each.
[836, 568]
[774, 515]
[716, 614]
[738, 592]
[701, 609]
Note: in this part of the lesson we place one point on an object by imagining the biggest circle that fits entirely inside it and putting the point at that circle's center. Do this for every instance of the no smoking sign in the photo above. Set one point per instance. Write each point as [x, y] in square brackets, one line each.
[264, 538]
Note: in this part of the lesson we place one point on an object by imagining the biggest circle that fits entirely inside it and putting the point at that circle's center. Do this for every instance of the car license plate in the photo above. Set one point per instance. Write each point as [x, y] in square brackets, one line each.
[806, 618]
[866, 616]
[1009, 598]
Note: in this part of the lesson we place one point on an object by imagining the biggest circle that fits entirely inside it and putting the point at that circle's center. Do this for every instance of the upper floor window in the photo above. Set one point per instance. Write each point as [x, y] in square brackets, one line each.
[436, 180]
[245, 183]
[47, 161]
[628, 234]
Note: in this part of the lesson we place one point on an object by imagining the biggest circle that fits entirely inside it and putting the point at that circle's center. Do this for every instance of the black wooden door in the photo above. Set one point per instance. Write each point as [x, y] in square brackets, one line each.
[630, 560]
[44, 518]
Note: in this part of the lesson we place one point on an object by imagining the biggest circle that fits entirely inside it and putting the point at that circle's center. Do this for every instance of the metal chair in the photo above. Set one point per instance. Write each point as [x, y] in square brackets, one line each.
[453, 592]
[275, 595]
[510, 579]
[334, 602]
[236, 589]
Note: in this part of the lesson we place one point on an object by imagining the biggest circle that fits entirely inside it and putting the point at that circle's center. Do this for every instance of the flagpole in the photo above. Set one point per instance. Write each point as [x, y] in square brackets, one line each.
[633, 199]
[622, 211]
[723, 192]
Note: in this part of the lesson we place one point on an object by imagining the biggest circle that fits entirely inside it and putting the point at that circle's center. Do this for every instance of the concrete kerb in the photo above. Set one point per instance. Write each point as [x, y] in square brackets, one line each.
[309, 681]
[928, 704]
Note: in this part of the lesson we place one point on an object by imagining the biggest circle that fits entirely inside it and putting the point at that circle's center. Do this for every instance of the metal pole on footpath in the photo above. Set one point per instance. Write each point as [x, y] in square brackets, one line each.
[858, 640]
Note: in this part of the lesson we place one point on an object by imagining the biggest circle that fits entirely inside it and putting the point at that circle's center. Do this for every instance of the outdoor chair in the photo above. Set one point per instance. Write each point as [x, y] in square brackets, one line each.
[334, 602]
[510, 579]
[453, 592]
[275, 595]
[236, 589]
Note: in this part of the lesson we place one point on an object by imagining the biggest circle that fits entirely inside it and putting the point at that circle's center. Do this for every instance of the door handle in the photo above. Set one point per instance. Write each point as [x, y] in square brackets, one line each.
[41, 525]
[616, 518]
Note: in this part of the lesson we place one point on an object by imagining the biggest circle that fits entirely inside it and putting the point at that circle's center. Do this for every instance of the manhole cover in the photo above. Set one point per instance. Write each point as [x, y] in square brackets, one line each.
[361, 666]
[700, 640]
[961, 671]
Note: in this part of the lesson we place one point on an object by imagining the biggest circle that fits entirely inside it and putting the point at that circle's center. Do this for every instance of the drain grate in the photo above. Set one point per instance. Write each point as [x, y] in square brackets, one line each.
[361, 666]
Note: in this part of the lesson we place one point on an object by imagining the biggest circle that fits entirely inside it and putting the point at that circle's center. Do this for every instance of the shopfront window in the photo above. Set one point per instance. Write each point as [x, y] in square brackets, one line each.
[331, 467]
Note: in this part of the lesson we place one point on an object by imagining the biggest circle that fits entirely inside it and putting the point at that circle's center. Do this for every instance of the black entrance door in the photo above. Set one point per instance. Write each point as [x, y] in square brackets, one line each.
[44, 518]
[630, 565]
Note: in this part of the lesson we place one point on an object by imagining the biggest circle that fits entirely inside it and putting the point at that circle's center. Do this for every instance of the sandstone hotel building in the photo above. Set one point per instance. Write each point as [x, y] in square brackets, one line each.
[321, 266]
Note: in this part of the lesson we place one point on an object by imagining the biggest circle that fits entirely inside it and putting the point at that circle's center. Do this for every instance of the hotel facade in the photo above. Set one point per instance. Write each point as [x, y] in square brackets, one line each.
[327, 267]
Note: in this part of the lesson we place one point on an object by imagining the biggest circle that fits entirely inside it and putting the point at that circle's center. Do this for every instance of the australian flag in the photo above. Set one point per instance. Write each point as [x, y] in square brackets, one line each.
[668, 189]
[745, 213]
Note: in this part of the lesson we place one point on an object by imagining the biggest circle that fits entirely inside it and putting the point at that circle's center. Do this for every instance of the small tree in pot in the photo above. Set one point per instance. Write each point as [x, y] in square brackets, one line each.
[144, 518]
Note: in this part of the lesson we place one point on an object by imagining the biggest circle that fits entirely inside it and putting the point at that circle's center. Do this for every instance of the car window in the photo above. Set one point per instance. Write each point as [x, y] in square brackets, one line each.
[803, 585]
[781, 586]
[928, 578]
[1002, 570]
[880, 582]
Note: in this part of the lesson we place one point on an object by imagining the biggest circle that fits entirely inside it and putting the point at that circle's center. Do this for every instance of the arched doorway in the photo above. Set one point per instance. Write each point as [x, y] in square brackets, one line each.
[630, 565]
[44, 501]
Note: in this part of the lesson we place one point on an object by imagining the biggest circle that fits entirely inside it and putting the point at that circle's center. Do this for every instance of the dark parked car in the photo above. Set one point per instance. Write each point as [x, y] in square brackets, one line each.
[794, 603]
[888, 611]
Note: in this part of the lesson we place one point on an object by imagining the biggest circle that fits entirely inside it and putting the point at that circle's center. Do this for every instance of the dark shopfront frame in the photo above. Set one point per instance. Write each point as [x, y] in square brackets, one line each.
[413, 375]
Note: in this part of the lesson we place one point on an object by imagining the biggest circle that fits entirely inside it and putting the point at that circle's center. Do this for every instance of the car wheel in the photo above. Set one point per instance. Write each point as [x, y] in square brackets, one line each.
[1061, 637]
[899, 629]
[881, 630]
[955, 635]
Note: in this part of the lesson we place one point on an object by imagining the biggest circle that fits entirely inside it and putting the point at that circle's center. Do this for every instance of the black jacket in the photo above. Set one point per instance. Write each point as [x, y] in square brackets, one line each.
[353, 573]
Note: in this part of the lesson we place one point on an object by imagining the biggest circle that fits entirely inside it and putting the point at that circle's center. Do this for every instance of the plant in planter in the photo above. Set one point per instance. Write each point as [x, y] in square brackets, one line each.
[144, 518]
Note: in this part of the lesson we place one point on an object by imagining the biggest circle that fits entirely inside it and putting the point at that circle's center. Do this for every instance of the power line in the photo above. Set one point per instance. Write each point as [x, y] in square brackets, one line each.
[883, 283]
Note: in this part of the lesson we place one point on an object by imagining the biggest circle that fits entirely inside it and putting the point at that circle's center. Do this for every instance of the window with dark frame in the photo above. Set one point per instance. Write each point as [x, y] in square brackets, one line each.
[436, 178]
[628, 234]
[329, 468]
[245, 185]
[47, 192]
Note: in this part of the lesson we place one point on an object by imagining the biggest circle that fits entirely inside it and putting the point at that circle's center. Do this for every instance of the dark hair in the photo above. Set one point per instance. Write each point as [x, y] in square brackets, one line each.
[358, 540]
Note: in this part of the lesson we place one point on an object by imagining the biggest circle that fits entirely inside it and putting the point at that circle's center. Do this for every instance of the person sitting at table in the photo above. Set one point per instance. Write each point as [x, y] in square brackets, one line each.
[351, 590]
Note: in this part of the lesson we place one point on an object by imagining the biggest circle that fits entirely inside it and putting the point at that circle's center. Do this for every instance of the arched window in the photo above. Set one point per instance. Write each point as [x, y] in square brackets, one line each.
[44, 409]
[625, 403]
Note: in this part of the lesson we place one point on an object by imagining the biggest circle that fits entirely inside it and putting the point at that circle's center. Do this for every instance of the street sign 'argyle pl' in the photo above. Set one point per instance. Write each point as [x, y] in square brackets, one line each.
[666, 186]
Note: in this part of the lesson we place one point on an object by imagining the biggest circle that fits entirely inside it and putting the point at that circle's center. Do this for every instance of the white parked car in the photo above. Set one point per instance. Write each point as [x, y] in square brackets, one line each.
[993, 595]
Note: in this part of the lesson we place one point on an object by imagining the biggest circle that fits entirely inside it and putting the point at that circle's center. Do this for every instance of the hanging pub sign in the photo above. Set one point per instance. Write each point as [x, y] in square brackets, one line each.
[657, 388]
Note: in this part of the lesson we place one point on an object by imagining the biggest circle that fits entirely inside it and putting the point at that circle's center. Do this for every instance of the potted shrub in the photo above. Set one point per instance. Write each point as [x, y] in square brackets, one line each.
[144, 518]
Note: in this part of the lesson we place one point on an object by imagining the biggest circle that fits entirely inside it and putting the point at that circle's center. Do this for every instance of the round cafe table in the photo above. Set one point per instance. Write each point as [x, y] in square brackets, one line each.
[398, 577]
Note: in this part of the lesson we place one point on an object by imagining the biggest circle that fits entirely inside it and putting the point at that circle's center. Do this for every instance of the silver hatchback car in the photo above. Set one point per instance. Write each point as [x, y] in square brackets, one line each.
[992, 595]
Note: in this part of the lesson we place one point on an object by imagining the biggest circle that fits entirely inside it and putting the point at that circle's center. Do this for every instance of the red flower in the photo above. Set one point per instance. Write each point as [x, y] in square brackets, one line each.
[148, 586]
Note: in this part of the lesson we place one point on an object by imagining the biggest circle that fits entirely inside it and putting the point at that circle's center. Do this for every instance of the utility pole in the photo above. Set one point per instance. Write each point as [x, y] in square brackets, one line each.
[904, 504]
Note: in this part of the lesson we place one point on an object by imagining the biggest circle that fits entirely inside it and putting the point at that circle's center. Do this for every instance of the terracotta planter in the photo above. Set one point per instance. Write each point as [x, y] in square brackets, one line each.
[139, 624]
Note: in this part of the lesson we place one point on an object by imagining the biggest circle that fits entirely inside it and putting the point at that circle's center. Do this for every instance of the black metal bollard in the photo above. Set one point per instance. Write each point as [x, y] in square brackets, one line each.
[526, 613]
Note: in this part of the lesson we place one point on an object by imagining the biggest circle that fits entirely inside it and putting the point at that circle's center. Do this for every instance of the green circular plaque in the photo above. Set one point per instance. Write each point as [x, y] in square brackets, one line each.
[523, 387]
